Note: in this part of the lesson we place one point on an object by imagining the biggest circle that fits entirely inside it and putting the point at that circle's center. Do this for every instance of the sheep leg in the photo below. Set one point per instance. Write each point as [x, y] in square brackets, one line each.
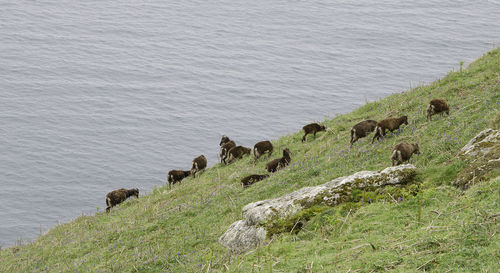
[354, 139]
[314, 134]
[399, 157]
[304, 137]
[377, 134]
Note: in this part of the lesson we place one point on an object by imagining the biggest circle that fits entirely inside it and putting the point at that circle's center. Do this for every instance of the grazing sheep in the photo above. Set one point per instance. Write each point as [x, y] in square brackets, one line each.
[261, 147]
[251, 179]
[224, 149]
[402, 152]
[390, 124]
[279, 163]
[117, 196]
[175, 176]
[437, 106]
[237, 153]
[312, 128]
[362, 129]
[224, 139]
[199, 164]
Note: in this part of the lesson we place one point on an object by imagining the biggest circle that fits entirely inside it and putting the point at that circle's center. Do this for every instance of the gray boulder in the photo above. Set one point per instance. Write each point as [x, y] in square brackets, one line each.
[248, 233]
[482, 155]
[481, 144]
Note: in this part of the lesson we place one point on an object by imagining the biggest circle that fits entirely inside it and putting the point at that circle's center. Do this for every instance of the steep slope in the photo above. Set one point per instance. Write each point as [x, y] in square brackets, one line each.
[428, 226]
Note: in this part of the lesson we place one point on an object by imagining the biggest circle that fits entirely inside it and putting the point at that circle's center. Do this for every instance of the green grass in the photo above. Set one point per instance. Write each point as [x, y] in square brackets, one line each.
[434, 227]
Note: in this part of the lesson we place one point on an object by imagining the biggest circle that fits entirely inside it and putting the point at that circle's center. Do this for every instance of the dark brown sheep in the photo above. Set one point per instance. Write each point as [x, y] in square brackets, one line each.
[199, 165]
[279, 163]
[237, 153]
[312, 128]
[224, 149]
[390, 124]
[251, 179]
[223, 140]
[362, 129]
[260, 148]
[175, 176]
[437, 106]
[402, 152]
[117, 196]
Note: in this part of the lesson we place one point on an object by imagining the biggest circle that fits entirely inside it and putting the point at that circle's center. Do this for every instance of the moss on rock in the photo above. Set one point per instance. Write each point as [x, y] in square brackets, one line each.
[482, 154]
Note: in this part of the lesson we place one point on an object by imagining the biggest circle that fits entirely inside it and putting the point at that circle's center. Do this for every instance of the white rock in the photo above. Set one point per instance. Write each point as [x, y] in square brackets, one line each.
[247, 233]
[240, 237]
[474, 148]
[482, 156]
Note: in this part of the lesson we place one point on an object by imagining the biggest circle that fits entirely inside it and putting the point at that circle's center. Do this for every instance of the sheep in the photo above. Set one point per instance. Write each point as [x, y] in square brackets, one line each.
[402, 152]
[312, 128]
[390, 124]
[175, 176]
[260, 148]
[223, 140]
[362, 129]
[199, 165]
[251, 179]
[117, 196]
[237, 153]
[279, 163]
[437, 106]
[224, 149]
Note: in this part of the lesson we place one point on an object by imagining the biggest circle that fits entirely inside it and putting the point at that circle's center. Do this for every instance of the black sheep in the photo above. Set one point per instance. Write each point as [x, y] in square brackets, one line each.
[251, 179]
[362, 129]
[175, 176]
[117, 196]
[390, 124]
[312, 128]
[279, 163]
[403, 152]
[261, 147]
[437, 106]
[199, 164]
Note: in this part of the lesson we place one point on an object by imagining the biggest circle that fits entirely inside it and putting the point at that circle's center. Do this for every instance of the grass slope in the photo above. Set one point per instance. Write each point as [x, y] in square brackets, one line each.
[433, 227]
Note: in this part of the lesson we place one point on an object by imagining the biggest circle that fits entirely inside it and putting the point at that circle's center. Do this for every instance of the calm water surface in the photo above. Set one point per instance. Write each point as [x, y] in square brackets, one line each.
[98, 95]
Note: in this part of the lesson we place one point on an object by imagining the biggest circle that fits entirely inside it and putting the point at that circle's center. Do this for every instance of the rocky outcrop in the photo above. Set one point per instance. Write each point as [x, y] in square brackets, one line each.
[248, 233]
[482, 155]
[481, 144]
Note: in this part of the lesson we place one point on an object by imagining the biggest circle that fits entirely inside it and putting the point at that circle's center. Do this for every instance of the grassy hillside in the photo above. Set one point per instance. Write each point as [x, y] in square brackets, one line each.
[427, 226]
